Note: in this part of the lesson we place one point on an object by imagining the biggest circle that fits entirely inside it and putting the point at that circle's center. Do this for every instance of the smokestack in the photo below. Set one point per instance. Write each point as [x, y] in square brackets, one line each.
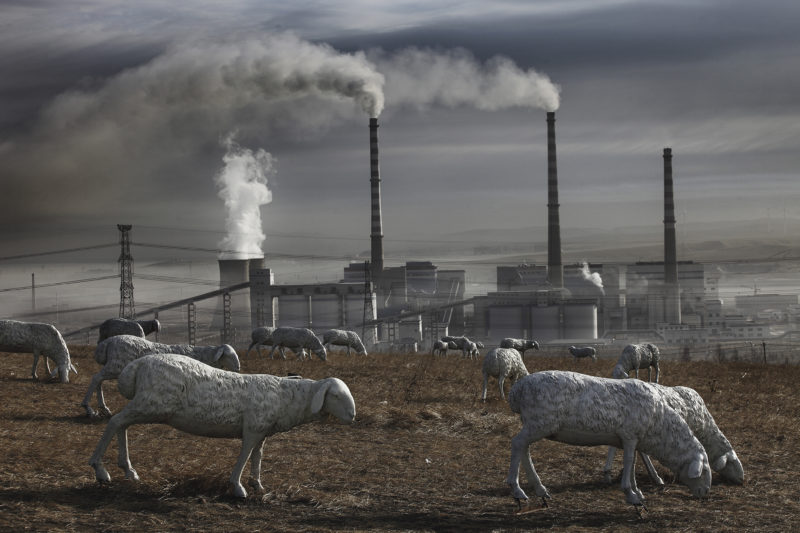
[376, 266]
[234, 272]
[672, 311]
[555, 270]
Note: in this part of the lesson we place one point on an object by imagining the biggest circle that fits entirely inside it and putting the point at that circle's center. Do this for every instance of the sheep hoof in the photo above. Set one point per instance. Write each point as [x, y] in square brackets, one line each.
[256, 485]
[101, 474]
[238, 490]
[132, 475]
[529, 507]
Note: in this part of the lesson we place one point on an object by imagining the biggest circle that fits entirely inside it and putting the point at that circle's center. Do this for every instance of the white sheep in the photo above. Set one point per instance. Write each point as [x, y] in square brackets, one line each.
[471, 349]
[520, 345]
[635, 357]
[587, 411]
[261, 337]
[296, 339]
[502, 363]
[125, 326]
[201, 400]
[41, 340]
[440, 347]
[586, 351]
[340, 337]
[690, 405]
[116, 352]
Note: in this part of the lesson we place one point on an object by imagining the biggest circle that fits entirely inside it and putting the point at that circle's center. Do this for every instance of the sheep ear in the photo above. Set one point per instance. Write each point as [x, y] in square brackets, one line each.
[696, 468]
[219, 353]
[720, 463]
[319, 397]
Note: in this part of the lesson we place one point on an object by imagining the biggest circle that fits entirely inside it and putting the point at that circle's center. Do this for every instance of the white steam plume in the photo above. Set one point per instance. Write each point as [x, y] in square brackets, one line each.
[592, 277]
[242, 184]
[452, 78]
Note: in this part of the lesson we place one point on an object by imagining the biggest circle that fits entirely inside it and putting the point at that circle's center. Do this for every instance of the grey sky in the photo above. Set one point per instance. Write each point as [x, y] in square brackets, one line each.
[90, 136]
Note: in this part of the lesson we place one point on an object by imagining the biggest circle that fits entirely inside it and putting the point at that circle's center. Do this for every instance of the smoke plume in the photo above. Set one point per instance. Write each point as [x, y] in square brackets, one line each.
[451, 78]
[592, 277]
[242, 184]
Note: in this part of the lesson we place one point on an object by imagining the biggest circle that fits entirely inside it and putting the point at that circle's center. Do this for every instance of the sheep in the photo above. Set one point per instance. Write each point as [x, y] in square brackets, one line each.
[471, 349]
[462, 343]
[116, 352]
[634, 357]
[440, 347]
[502, 363]
[587, 351]
[691, 407]
[587, 411]
[340, 337]
[261, 337]
[124, 326]
[294, 338]
[198, 399]
[41, 340]
[521, 345]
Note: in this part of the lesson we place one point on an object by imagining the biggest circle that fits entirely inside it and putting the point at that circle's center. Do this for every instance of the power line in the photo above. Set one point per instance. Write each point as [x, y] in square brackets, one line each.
[56, 284]
[53, 252]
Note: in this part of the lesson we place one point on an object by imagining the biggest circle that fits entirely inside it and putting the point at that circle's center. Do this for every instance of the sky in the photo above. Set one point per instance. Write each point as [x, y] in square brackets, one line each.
[242, 124]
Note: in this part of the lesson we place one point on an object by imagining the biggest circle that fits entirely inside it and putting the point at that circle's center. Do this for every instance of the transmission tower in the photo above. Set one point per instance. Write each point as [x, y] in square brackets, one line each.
[126, 307]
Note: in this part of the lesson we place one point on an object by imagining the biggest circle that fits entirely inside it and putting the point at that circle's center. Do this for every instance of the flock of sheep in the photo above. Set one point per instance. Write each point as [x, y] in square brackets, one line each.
[199, 390]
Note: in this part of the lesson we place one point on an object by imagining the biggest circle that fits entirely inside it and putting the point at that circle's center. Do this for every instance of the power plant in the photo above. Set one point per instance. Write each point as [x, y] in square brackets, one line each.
[418, 301]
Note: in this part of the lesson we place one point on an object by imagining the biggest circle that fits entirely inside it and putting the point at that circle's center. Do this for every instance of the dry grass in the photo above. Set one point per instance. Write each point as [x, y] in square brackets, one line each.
[424, 454]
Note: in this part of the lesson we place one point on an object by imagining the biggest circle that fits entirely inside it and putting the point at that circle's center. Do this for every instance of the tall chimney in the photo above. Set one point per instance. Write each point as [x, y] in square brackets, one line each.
[672, 303]
[555, 270]
[376, 266]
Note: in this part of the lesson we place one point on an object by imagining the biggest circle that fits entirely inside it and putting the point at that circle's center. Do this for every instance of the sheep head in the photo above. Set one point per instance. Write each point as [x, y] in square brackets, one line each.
[230, 361]
[321, 353]
[730, 468]
[332, 396]
[619, 372]
[697, 476]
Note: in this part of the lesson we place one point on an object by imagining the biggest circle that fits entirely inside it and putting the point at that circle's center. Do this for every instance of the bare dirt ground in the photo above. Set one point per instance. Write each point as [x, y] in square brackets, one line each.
[424, 454]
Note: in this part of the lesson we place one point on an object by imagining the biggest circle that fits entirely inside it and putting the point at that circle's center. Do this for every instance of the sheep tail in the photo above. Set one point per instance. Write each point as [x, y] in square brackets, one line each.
[126, 383]
[101, 353]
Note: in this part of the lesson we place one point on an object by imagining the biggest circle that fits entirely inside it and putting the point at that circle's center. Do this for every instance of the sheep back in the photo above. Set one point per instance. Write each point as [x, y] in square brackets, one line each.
[119, 326]
[506, 362]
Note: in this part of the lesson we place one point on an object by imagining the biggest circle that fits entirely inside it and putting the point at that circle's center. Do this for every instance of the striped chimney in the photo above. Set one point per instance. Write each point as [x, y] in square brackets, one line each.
[376, 267]
[555, 270]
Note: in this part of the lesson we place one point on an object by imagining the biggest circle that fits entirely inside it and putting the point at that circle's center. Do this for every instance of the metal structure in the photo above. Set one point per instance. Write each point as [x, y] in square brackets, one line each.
[127, 308]
[227, 332]
[368, 310]
[191, 315]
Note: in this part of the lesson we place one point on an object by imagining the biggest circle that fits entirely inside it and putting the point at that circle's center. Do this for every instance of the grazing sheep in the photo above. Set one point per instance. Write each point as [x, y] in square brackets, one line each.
[634, 357]
[261, 337]
[41, 340]
[690, 405]
[502, 363]
[295, 339]
[471, 349]
[440, 347]
[124, 326]
[340, 337]
[116, 352]
[587, 411]
[201, 400]
[587, 351]
[520, 345]
[461, 343]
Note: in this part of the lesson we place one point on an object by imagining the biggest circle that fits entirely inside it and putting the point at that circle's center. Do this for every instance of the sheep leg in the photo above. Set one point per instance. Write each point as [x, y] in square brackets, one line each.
[255, 467]
[118, 426]
[520, 450]
[500, 380]
[272, 351]
[651, 470]
[656, 367]
[485, 384]
[609, 466]
[94, 386]
[249, 442]
[35, 364]
[632, 494]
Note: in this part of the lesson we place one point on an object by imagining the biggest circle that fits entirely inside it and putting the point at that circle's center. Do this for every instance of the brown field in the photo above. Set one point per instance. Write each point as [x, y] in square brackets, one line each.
[424, 454]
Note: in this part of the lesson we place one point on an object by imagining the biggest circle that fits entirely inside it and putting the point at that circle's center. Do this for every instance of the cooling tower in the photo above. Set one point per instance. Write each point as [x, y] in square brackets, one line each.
[376, 266]
[672, 302]
[555, 270]
[233, 272]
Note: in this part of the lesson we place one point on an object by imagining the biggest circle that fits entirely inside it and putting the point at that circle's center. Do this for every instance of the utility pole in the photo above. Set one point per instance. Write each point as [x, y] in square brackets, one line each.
[127, 309]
